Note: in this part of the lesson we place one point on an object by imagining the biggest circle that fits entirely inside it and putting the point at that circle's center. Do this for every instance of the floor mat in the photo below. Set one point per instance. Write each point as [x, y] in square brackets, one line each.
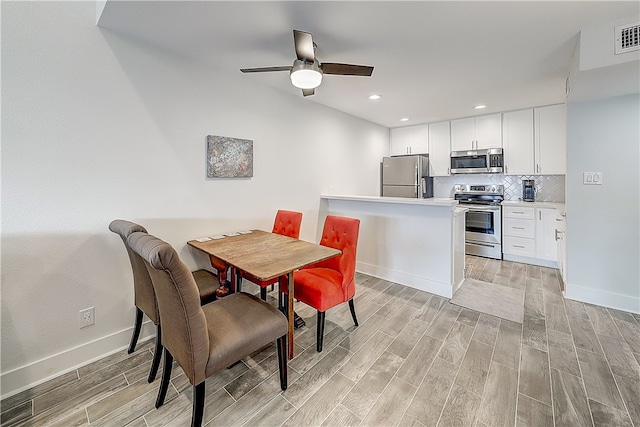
[496, 300]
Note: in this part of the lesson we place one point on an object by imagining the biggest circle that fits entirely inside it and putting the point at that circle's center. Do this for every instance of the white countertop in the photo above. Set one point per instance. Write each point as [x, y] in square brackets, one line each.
[558, 206]
[446, 202]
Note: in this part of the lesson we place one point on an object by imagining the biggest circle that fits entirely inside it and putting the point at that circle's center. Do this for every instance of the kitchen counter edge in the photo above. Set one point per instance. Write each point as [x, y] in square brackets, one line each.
[445, 202]
[561, 207]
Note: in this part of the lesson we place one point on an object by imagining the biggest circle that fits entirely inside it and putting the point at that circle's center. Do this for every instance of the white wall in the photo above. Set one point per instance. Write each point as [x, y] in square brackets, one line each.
[96, 127]
[603, 222]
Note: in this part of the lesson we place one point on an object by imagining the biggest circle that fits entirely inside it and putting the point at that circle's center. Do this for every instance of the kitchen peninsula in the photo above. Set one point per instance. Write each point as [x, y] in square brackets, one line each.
[414, 242]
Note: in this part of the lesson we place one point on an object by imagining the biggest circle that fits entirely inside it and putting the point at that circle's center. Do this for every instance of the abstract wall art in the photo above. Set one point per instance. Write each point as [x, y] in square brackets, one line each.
[229, 157]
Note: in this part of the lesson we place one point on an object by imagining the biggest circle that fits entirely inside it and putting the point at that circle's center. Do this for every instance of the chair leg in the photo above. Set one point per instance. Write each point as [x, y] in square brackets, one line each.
[282, 360]
[263, 294]
[166, 378]
[136, 331]
[353, 311]
[198, 405]
[320, 331]
[157, 354]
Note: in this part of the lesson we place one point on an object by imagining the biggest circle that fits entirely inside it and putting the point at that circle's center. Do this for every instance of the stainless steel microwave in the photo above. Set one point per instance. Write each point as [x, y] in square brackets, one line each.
[477, 161]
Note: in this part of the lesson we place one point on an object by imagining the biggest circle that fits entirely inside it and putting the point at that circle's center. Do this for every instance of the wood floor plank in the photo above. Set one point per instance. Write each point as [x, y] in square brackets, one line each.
[630, 391]
[431, 396]
[507, 351]
[306, 359]
[455, 345]
[498, 406]
[322, 403]
[365, 393]
[442, 324]
[602, 321]
[534, 332]
[29, 394]
[17, 414]
[486, 329]
[534, 374]
[360, 362]
[356, 339]
[604, 415]
[314, 378]
[620, 358]
[474, 368]
[562, 354]
[417, 363]
[420, 299]
[120, 398]
[399, 320]
[533, 299]
[274, 413]
[340, 416]
[598, 379]
[556, 318]
[570, 405]
[430, 310]
[468, 317]
[531, 413]
[408, 337]
[630, 333]
[461, 408]
[391, 405]
[575, 309]
[584, 336]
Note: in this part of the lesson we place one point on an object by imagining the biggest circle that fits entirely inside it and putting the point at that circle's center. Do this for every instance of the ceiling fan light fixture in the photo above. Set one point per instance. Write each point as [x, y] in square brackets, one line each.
[306, 75]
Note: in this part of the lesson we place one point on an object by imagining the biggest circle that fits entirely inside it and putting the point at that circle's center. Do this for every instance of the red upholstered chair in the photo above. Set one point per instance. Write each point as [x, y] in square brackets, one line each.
[331, 282]
[286, 223]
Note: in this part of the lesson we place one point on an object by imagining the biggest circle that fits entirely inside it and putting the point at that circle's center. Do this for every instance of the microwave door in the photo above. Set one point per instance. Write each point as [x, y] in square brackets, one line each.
[400, 171]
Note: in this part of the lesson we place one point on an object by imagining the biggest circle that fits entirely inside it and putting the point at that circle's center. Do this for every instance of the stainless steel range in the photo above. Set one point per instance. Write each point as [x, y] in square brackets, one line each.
[483, 234]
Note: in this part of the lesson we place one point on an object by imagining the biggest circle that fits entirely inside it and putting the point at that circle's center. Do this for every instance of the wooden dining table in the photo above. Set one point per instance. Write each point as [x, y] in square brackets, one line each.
[266, 256]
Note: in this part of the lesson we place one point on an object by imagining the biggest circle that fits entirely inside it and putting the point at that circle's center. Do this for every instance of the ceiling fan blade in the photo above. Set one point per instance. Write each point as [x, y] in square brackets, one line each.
[265, 69]
[304, 45]
[346, 69]
[307, 92]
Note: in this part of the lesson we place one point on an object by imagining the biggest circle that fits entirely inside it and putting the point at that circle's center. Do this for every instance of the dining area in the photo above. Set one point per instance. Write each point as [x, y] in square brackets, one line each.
[206, 323]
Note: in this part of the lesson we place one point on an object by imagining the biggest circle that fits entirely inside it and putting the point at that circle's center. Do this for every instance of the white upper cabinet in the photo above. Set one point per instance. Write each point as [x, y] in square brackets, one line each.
[550, 135]
[517, 140]
[410, 140]
[477, 132]
[439, 149]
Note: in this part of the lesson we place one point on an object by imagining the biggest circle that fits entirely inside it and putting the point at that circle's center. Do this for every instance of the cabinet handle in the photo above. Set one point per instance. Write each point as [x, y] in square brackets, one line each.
[558, 238]
[518, 212]
[518, 246]
[518, 228]
[540, 215]
[558, 219]
[448, 171]
[537, 168]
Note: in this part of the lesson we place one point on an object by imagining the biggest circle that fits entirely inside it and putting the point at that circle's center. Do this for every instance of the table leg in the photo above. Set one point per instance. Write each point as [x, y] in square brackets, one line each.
[290, 288]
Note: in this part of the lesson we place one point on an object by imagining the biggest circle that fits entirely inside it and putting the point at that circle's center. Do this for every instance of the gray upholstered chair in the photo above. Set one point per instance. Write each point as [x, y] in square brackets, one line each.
[144, 295]
[205, 339]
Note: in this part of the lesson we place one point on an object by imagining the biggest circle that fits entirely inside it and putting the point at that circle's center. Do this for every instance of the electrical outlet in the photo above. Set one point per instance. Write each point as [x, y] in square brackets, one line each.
[86, 317]
[592, 178]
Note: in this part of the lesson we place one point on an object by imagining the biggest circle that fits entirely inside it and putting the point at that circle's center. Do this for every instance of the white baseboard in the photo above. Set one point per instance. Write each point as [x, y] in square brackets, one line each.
[603, 298]
[416, 282]
[38, 372]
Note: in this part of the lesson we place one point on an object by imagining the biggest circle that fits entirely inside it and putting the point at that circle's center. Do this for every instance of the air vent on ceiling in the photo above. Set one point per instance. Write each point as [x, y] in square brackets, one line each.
[627, 38]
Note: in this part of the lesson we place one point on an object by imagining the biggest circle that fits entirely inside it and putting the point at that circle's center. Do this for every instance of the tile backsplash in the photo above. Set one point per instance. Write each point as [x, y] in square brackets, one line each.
[550, 188]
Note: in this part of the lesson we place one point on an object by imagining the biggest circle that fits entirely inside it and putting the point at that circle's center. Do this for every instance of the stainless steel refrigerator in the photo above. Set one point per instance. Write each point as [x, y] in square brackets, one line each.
[406, 176]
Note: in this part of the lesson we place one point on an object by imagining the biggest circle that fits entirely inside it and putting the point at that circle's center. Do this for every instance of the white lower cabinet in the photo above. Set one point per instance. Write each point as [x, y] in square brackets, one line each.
[546, 246]
[560, 232]
[529, 235]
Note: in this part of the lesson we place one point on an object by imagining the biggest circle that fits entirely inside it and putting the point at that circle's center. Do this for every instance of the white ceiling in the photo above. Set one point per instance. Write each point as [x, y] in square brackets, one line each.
[433, 60]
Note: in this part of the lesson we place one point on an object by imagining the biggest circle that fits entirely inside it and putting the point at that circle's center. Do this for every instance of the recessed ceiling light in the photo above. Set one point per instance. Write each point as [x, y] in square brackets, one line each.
[404, 119]
[480, 107]
[374, 97]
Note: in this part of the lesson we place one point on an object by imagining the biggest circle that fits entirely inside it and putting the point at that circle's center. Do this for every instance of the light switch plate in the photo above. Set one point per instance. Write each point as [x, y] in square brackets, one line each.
[592, 178]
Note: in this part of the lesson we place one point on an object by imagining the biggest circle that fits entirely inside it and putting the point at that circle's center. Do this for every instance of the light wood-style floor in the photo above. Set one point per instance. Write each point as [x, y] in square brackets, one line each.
[415, 360]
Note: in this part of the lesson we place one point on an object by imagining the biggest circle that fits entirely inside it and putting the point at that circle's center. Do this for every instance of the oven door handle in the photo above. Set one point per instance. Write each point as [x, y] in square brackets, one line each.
[484, 208]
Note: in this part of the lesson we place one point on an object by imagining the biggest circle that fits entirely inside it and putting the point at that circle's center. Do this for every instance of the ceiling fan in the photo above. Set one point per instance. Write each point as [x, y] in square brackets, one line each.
[306, 71]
